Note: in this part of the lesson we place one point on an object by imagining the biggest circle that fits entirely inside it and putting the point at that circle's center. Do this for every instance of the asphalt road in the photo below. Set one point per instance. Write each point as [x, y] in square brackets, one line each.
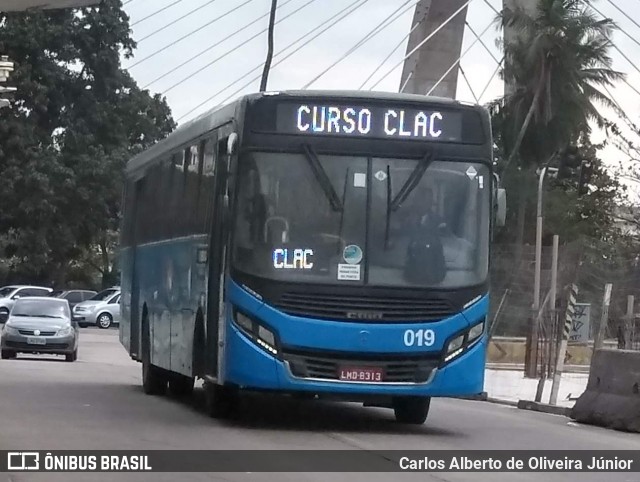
[97, 403]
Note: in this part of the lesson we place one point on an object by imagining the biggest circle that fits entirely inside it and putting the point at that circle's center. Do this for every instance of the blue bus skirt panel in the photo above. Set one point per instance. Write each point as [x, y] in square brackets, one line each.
[248, 365]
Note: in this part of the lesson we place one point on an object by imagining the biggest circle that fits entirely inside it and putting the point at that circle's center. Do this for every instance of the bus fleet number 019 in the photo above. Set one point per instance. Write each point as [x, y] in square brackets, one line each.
[419, 337]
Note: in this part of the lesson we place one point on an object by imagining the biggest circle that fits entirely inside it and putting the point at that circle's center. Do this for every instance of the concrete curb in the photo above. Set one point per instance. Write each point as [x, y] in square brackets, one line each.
[543, 408]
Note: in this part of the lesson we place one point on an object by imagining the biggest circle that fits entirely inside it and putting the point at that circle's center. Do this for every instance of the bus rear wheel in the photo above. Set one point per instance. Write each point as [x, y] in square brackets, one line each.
[154, 381]
[180, 385]
[220, 401]
[412, 410]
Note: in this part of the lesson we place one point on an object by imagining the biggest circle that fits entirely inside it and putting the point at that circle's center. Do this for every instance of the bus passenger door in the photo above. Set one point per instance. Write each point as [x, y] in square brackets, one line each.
[217, 253]
[134, 313]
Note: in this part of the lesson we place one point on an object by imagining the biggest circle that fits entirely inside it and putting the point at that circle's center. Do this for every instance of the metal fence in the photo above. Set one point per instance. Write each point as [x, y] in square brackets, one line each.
[589, 264]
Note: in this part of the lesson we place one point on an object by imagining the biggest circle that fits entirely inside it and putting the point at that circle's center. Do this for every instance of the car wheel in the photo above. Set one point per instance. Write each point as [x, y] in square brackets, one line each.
[71, 357]
[412, 410]
[4, 314]
[7, 354]
[105, 320]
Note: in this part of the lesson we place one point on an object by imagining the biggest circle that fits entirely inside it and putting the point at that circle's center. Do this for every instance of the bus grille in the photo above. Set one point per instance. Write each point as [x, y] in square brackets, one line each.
[396, 369]
[363, 308]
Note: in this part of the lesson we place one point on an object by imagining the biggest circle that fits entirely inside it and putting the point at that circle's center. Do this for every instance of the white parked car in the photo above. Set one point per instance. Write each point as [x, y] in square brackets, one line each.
[102, 310]
[9, 295]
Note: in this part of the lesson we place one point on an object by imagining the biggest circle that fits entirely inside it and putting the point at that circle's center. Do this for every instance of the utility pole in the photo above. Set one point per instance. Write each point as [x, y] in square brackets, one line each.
[267, 63]
[532, 345]
[599, 341]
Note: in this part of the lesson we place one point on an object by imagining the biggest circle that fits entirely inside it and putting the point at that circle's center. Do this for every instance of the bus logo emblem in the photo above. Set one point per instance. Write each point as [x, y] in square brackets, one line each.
[364, 315]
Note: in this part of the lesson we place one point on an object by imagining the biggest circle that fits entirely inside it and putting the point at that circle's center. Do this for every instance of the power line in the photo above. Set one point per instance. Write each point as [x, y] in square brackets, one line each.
[175, 21]
[189, 34]
[347, 11]
[619, 28]
[373, 32]
[482, 43]
[391, 53]
[624, 13]
[495, 72]
[464, 76]
[234, 48]
[212, 46]
[429, 37]
[156, 13]
[457, 61]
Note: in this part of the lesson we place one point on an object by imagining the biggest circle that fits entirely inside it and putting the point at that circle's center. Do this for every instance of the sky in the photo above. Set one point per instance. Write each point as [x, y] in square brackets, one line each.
[157, 64]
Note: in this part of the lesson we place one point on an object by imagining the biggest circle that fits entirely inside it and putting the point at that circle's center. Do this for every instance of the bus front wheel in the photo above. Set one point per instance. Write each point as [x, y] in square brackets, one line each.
[154, 381]
[220, 401]
[412, 410]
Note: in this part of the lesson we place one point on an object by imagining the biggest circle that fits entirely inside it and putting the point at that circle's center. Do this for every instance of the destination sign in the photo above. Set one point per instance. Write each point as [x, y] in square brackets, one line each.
[370, 121]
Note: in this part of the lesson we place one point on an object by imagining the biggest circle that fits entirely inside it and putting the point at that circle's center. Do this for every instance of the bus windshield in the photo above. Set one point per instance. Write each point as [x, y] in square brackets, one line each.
[354, 220]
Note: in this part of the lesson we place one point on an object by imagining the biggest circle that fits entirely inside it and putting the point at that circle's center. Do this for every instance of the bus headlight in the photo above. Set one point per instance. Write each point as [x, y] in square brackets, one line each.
[261, 336]
[463, 341]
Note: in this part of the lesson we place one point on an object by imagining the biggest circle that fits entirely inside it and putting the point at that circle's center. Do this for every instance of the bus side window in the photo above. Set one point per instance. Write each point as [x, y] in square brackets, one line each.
[202, 192]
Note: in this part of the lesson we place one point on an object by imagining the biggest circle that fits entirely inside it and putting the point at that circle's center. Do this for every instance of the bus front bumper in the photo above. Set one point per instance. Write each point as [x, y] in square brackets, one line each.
[254, 368]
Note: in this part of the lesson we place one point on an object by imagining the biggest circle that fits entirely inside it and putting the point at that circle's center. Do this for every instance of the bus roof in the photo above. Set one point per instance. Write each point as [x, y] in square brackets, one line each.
[219, 116]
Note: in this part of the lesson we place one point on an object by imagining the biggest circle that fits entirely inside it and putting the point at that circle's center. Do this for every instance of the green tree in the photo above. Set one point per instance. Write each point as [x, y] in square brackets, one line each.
[76, 119]
[555, 67]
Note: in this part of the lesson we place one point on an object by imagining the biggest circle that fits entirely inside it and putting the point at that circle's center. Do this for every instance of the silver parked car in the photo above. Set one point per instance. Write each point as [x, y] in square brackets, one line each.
[9, 295]
[102, 310]
[40, 325]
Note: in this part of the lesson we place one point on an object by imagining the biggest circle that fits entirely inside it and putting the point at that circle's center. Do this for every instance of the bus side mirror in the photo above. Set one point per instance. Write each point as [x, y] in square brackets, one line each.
[501, 207]
[232, 143]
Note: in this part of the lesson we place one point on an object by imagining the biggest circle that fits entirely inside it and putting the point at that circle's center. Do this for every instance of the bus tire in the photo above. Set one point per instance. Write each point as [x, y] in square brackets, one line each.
[180, 385]
[220, 401]
[413, 410]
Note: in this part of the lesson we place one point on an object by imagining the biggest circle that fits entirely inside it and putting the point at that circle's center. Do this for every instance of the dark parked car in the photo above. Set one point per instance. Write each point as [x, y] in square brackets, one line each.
[74, 296]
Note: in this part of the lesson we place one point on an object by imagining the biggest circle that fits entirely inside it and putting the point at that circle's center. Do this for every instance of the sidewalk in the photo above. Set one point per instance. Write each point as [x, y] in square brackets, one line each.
[512, 386]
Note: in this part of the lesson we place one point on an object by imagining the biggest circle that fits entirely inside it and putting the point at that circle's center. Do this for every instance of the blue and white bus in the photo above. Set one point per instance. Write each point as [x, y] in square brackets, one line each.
[319, 244]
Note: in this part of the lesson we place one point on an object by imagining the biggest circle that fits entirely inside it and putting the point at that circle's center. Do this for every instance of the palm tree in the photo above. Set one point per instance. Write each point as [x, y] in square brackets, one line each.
[555, 68]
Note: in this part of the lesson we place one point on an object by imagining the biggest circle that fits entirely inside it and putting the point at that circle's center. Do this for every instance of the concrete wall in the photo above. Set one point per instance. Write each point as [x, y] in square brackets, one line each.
[435, 57]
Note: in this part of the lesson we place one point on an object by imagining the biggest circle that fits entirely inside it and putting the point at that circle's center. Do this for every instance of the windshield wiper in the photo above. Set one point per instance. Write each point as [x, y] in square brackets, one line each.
[20, 314]
[322, 178]
[412, 182]
[46, 316]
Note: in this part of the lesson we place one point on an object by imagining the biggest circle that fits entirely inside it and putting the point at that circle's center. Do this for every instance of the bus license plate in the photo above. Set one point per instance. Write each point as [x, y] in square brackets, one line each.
[36, 341]
[361, 374]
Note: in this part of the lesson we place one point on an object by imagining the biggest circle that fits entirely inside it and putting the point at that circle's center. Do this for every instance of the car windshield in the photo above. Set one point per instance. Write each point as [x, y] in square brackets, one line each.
[103, 295]
[40, 309]
[362, 220]
[6, 291]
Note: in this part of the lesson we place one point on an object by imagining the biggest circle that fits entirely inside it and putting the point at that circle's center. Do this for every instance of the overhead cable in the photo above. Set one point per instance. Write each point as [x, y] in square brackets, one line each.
[372, 33]
[235, 48]
[457, 61]
[495, 72]
[424, 41]
[377, 69]
[624, 13]
[212, 46]
[344, 13]
[156, 13]
[619, 28]
[170, 24]
[162, 49]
